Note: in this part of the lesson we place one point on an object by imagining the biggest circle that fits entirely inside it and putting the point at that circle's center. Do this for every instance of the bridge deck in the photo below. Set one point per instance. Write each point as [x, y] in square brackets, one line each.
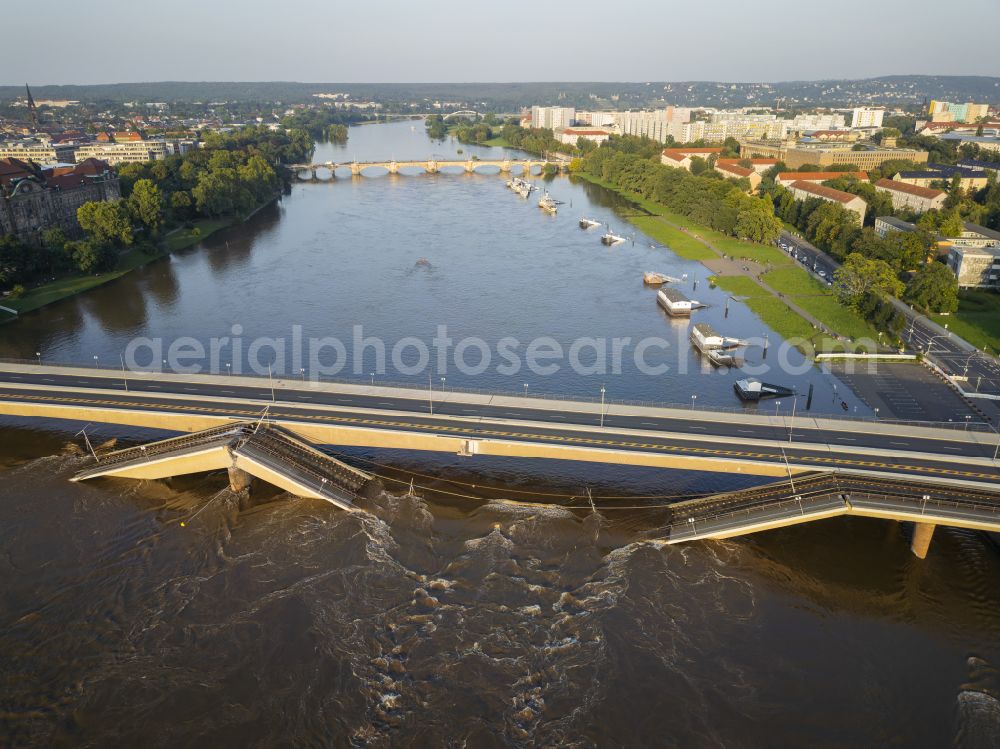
[822, 495]
[263, 450]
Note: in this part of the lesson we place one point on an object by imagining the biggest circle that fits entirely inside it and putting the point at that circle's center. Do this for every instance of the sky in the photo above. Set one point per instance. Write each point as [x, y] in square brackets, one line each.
[114, 41]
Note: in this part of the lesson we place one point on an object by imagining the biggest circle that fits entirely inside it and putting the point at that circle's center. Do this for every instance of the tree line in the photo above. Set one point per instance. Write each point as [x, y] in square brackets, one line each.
[229, 176]
[633, 164]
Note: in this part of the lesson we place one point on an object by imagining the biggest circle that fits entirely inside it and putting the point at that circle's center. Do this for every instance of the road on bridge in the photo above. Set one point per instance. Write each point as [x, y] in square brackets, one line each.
[807, 444]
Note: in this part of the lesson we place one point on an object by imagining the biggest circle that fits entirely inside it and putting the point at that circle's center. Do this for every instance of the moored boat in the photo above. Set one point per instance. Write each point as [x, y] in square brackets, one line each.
[674, 302]
[588, 223]
[753, 390]
[548, 203]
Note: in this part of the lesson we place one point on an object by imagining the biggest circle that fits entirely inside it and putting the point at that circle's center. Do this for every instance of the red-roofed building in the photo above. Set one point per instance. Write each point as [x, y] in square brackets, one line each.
[803, 190]
[680, 158]
[571, 135]
[33, 199]
[912, 197]
[786, 178]
[735, 171]
[758, 165]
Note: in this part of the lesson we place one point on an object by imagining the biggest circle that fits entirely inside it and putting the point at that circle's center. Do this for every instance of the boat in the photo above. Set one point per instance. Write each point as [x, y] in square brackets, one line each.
[704, 336]
[609, 238]
[754, 390]
[588, 223]
[658, 279]
[674, 302]
[713, 345]
[547, 203]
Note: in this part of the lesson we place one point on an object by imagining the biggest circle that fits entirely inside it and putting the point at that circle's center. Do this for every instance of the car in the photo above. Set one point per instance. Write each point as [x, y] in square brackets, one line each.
[822, 274]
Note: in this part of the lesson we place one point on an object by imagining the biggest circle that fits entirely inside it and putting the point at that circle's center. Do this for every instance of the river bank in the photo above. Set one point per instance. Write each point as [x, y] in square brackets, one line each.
[176, 240]
[767, 280]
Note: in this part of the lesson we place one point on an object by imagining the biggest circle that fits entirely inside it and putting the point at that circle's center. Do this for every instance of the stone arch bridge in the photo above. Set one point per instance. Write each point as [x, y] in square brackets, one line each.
[429, 166]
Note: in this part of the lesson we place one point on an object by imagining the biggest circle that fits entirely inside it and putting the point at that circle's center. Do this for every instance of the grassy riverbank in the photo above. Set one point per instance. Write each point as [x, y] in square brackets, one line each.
[777, 270]
[977, 319]
[128, 260]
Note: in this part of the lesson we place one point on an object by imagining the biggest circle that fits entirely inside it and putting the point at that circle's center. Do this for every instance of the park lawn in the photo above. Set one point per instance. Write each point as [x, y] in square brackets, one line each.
[818, 300]
[977, 319]
[777, 315]
[71, 285]
[499, 142]
[683, 244]
[188, 237]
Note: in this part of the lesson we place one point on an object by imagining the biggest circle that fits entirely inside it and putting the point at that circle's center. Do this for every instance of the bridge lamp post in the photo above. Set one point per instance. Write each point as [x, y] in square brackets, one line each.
[39, 355]
[931, 341]
[967, 417]
[693, 399]
[270, 380]
[791, 423]
[229, 368]
[777, 405]
[526, 390]
[124, 375]
[302, 371]
[373, 378]
[603, 390]
[876, 413]
[95, 361]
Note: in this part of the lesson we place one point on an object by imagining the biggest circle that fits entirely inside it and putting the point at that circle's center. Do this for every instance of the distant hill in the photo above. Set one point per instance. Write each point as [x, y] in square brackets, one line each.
[899, 90]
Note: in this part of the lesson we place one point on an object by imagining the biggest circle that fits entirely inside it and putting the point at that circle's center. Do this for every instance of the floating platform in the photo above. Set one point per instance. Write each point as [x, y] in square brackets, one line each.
[750, 390]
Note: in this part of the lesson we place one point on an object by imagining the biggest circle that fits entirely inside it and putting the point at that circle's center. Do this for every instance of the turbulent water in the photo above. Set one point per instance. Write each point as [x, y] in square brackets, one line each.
[166, 614]
[179, 614]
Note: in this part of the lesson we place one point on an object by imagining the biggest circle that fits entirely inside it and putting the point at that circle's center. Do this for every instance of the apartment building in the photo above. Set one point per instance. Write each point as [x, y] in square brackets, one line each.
[39, 151]
[126, 152]
[867, 117]
[805, 190]
[552, 117]
[735, 171]
[911, 197]
[796, 153]
[680, 158]
[786, 178]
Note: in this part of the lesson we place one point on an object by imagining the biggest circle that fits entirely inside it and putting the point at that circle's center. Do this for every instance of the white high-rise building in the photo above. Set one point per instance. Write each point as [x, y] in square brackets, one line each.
[552, 117]
[655, 124]
[867, 117]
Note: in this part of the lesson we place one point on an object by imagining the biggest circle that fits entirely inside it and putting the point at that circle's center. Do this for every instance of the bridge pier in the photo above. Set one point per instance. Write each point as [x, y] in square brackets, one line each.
[393, 167]
[355, 170]
[470, 166]
[431, 167]
[239, 480]
[921, 542]
[314, 177]
[504, 166]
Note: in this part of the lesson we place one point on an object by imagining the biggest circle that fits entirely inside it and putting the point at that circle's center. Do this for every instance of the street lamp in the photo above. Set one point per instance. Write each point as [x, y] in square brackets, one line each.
[791, 423]
[876, 413]
[302, 371]
[373, 378]
[777, 405]
[229, 368]
[602, 406]
[430, 394]
[526, 390]
[967, 417]
[270, 380]
[95, 361]
[39, 355]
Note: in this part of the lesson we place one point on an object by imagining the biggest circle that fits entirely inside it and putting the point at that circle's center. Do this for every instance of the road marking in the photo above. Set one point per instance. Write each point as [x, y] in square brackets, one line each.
[647, 423]
[694, 427]
[847, 439]
[744, 431]
[236, 411]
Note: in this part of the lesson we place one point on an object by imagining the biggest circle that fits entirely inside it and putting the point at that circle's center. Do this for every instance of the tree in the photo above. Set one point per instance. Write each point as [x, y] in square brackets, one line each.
[106, 222]
[860, 277]
[951, 224]
[145, 204]
[90, 257]
[756, 221]
[933, 288]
